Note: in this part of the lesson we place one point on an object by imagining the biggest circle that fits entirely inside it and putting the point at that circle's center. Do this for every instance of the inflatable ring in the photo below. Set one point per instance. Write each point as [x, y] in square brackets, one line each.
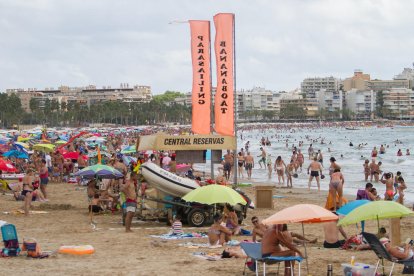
[77, 249]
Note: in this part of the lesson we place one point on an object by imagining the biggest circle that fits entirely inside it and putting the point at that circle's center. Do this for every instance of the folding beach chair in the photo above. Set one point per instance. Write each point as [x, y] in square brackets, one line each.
[382, 254]
[254, 251]
[10, 240]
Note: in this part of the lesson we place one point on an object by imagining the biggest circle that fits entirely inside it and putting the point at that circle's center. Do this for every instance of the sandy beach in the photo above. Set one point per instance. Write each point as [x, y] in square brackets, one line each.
[66, 223]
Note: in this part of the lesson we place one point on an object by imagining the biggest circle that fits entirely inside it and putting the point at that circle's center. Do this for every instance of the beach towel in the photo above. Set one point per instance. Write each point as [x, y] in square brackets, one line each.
[329, 205]
[179, 237]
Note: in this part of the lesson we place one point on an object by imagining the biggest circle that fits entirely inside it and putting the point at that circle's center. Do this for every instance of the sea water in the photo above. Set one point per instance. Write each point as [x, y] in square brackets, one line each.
[338, 140]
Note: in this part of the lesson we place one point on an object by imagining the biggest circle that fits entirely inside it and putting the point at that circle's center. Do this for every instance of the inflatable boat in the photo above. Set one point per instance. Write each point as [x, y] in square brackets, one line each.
[167, 182]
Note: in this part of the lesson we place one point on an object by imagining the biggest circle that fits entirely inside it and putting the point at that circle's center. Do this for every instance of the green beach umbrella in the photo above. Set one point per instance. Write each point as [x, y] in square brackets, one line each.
[44, 147]
[101, 171]
[376, 210]
[129, 149]
[60, 142]
[213, 194]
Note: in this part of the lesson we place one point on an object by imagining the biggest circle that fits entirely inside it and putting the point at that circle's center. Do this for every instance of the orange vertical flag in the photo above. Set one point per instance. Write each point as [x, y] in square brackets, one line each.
[224, 49]
[200, 54]
[99, 155]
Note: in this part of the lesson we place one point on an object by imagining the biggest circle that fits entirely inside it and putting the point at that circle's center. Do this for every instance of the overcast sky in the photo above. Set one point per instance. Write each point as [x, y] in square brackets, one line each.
[48, 43]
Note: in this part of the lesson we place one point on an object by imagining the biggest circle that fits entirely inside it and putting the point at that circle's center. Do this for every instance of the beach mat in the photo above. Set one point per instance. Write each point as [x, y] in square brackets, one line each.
[179, 237]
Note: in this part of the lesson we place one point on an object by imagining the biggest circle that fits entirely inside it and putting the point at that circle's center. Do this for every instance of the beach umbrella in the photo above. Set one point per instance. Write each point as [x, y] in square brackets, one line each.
[24, 145]
[347, 208]
[380, 209]
[6, 166]
[128, 159]
[99, 170]
[129, 149]
[60, 142]
[44, 147]
[213, 194]
[23, 139]
[301, 213]
[16, 154]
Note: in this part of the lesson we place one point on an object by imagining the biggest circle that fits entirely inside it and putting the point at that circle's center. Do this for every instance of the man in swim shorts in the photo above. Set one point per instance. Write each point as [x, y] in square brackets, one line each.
[228, 162]
[248, 159]
[131, 202]
[314, 169]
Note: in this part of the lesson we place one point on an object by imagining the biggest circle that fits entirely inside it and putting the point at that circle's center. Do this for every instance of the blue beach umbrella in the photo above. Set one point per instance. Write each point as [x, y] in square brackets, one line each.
[347, 208]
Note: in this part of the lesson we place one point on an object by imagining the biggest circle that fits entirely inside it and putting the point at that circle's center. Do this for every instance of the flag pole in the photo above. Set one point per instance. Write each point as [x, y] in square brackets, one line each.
[234, 101]
[211, 104]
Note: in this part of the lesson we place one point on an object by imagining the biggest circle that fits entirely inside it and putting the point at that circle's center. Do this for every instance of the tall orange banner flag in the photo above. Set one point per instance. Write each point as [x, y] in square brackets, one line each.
[224, 49]
[201, 92]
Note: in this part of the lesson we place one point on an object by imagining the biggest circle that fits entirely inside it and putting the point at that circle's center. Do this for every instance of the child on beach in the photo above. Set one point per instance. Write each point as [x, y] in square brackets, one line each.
[367, 170]
[176, 226]
[56, 174]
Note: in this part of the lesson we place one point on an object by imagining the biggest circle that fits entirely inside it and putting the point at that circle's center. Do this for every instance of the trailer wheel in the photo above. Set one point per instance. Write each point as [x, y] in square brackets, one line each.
[196, 217]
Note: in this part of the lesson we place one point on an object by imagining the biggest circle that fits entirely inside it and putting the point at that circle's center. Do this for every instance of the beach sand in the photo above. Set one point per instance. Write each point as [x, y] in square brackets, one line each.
[120, 253]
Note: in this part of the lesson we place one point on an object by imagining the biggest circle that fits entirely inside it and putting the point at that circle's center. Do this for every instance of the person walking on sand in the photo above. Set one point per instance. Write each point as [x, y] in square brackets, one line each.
[310, 152]
[44, 178]
[289, 173]
[300, 159]
[314, 169]
[131, 202]
[249, 165]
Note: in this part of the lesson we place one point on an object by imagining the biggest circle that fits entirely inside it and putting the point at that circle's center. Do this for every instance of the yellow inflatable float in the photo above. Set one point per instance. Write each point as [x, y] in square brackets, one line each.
[76, 249]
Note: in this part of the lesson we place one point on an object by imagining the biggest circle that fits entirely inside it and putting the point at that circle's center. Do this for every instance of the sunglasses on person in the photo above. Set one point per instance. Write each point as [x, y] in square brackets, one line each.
[255, 221]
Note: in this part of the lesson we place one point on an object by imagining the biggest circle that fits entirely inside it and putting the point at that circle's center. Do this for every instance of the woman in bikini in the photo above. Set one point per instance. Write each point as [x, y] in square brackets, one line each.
[336, 187]
[240, 164]
[280, 168]
[333, 166]
[218, 234]
[389, 185]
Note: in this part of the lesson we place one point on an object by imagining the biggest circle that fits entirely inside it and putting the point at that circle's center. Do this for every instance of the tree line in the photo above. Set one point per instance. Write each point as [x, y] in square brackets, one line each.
[160, 110]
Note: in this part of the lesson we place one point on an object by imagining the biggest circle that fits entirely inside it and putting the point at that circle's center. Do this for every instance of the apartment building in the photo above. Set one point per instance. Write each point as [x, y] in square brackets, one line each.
[330, 100]
[310, 86]
[399, 103]
[382, 85]
[357, 81]
[361, 103]
[84, 95]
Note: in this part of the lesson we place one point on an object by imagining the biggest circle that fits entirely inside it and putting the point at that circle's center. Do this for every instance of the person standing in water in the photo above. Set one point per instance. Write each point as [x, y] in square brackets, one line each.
[280, 168]
[367, 170]
[249, 165]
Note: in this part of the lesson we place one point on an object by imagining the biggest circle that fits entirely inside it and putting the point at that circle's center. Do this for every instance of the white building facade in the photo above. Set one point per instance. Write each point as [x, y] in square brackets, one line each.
[361, 103]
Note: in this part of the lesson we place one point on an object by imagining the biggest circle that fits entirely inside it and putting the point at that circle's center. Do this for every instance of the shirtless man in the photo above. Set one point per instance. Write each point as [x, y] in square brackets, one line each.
[262, 158]
[131, 202]
[81, 161]
[272, 243]
[332, 231]
[314, 169]
[228, 162]
[249, 161]
[375, 170]
[259, 228]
